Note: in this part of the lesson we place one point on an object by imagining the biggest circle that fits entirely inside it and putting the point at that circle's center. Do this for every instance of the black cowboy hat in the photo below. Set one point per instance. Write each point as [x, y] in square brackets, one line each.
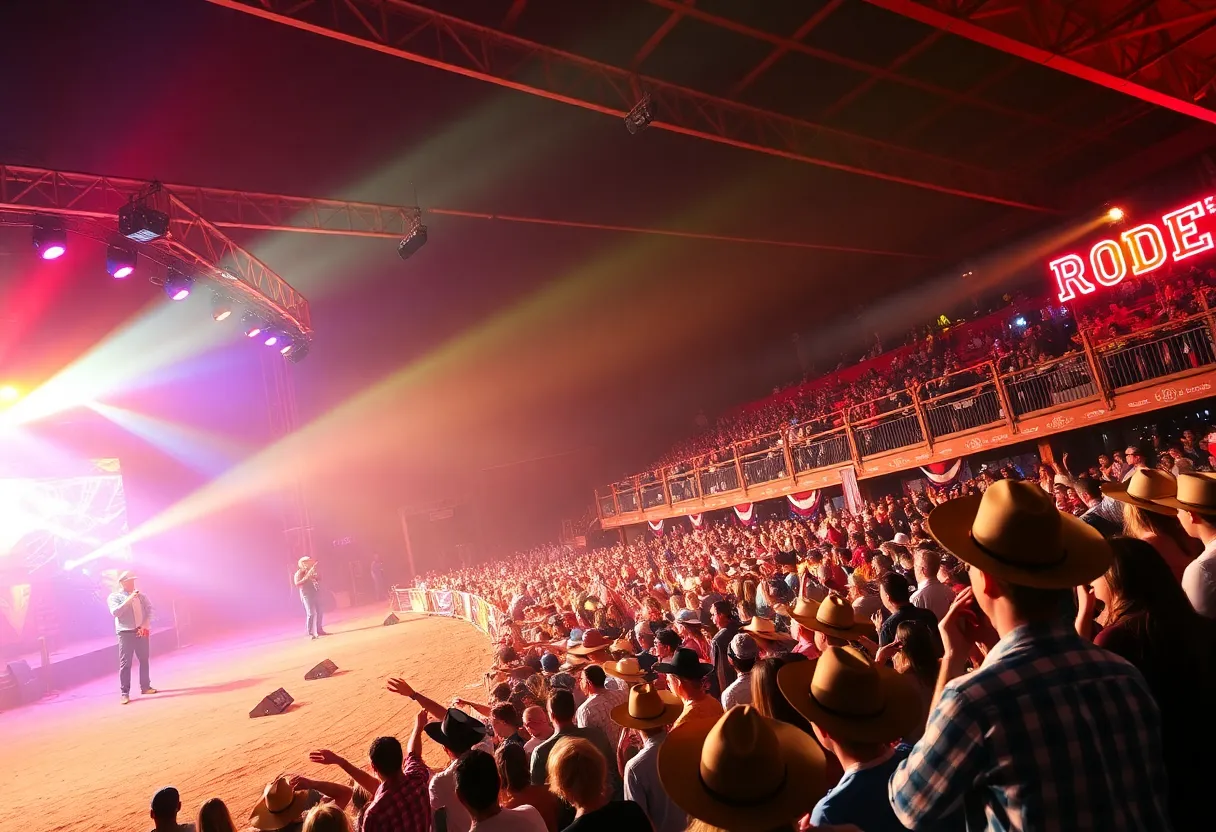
[686, 664]
[458, 732]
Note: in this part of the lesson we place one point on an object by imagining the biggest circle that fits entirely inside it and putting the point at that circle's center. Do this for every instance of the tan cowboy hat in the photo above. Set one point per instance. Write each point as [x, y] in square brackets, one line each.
[279, 806]
[1014, 532]
[764, 628]
[851, 698]
[627, 669]
[304, 561]
[1196, 492]
[802, 607]
[128, 575]
[1146, 485]
[647, 708]
[744, 772]
[621, 645]
[833, 616]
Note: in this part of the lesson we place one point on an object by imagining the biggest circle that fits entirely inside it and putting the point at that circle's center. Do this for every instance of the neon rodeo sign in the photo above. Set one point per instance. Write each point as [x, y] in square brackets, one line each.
[1138, 250]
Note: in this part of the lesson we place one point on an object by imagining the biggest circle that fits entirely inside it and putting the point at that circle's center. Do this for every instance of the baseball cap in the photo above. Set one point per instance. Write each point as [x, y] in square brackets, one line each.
[743, 646]
[550, 663]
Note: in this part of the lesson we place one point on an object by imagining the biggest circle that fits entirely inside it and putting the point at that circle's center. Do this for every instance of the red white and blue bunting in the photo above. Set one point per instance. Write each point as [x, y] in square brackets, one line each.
[746, 512]
[942, 473]
[697, 520]
[805, 503]
[656, 526]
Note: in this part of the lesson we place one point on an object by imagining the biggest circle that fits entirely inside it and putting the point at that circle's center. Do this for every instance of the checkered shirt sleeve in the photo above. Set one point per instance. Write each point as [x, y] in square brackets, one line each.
[404, 808]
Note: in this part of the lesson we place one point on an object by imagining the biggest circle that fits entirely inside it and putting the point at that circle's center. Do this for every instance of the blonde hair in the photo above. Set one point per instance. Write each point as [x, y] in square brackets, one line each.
[577, 771]
[326, 817]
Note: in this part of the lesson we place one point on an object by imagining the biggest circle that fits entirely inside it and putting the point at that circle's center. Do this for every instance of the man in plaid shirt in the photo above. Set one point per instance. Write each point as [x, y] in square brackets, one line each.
[400, 802]
[1050, 732]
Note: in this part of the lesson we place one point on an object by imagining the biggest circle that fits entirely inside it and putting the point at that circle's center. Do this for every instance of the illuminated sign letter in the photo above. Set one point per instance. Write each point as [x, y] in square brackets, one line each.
[1142, 240]
[1187, 240]
[1070, 271]
[1117, 270]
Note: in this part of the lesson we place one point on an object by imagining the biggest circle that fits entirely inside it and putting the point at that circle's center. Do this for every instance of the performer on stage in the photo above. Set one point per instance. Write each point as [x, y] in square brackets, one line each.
[132, 614]
[310, 593]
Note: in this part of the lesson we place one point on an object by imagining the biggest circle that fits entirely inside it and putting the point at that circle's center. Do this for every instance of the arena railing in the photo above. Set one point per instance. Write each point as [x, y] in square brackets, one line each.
[916, 417]
[450, 603]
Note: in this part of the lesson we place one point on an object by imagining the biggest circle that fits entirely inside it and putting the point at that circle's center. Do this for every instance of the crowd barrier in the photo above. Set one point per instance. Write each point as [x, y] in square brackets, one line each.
[464, 605]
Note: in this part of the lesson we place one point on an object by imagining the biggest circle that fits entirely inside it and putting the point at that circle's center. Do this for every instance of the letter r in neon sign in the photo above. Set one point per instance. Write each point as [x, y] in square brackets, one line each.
[1070, 273]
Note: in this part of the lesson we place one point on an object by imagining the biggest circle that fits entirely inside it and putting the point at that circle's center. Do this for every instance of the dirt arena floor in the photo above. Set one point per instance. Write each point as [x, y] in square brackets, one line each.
[81, 761]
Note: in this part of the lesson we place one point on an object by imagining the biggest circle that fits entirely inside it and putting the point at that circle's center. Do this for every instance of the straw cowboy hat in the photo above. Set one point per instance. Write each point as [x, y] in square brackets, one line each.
[765, 629]
[1196, 492]
[1015, 533]
[1146, 485]
[744, 772]
[593, 642]
[647, 708]
[627, 669]
[833, 616]
[621, 645]
[279, 807]
[850, 697]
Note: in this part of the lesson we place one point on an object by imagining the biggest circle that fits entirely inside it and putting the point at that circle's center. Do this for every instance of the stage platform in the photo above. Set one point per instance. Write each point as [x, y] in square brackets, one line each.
[80, 760]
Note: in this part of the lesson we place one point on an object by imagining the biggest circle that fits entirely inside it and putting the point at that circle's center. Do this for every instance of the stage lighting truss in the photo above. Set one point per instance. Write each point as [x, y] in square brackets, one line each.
[120, 260]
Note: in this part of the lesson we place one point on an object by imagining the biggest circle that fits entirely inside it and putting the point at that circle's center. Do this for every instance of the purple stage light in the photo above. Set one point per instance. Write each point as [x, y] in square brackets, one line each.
[271, 340]
[120, 260]
[53, 252]
[123, 271]
[178, 285]
[50, 240]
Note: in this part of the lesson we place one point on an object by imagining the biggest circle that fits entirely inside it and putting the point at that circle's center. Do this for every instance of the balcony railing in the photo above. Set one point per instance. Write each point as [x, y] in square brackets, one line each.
[968, 400]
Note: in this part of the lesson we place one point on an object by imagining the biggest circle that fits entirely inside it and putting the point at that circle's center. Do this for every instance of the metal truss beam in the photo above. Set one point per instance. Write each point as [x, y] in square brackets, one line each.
[192, 239]
[654, 40]
[781, 50]
[423, 35]
[1148, 60]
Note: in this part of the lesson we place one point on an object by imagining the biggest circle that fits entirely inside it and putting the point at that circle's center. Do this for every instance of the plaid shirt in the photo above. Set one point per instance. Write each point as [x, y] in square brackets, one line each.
[404, 806]
[596, 712]
[1051, 733]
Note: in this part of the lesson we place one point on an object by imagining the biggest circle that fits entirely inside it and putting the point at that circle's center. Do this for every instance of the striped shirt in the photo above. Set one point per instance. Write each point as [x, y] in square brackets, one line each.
[1050, 733]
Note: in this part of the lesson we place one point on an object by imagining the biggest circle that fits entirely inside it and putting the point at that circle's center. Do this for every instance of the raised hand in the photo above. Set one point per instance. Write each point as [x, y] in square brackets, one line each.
[400, 686]
[957, 623]
[324, 756]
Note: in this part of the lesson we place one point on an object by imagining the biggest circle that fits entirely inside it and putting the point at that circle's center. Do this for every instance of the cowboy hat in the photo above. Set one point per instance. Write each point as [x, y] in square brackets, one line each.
[1015, 533]
[802, 607]
[279, 807]
[593, 642]
[627, 669]
[1196, 492]
[647, 708]
[126, 575]
[304, 561]
[745, 772]
[833, 616]
[850, 697]
[764, 628]
[1146, 485]
[688, 617]
[686, 664]
[621, 645]
[458, 732]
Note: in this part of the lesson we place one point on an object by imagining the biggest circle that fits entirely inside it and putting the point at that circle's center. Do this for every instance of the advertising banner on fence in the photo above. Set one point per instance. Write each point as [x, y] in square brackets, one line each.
[417, 600]
[441, 601]
[466, 605]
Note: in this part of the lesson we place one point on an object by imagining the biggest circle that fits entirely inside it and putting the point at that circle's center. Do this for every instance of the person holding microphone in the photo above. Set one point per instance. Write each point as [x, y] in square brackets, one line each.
[132, 613]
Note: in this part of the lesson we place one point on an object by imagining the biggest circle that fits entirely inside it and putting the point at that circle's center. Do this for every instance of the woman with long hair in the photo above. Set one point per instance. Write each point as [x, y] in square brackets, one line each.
[213, 816]
[517, 786]
[1149, 621]
[914, 652]
[770, 702]
[326, 817]
[1164, 533]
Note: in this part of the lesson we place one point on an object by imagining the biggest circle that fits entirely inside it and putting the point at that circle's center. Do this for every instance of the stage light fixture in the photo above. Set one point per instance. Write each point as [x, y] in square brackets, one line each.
[178, 285]
[221, 308]
[410, 244]
[270, 338]
[252, 325]
[286, 344]
[138, 222]
[50, 239]
[1115, 213]
[639, 118]
[120, 261]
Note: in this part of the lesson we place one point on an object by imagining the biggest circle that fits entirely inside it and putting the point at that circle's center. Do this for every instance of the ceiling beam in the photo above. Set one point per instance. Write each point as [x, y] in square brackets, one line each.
[781, 50]
[654, 40]
[425, 36]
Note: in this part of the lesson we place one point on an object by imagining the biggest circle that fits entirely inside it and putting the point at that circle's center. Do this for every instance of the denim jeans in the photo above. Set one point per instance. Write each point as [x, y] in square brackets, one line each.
[132, 646]
[312, 606]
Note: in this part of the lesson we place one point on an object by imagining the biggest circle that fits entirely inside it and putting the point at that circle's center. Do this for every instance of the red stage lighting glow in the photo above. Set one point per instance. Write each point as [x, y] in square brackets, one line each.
[1139, 250]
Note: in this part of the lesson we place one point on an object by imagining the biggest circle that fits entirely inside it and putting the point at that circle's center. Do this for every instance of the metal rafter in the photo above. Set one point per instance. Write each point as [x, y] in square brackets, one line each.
[1085, 41]
[780, 51]
[192, 238]
[423, 35]
[654, 40]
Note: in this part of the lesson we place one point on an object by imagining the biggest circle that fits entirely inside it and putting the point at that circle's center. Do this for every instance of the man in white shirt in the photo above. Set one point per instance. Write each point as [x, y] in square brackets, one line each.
[931, 594]
[741, 654]
[477, 784]
[1196, 507]
[651, 712]
[132, 622]
[458, 733]
[595, 712]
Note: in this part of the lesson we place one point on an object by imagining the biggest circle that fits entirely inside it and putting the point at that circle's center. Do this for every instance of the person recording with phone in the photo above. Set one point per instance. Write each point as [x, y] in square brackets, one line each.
[306, 580]
[132, 613]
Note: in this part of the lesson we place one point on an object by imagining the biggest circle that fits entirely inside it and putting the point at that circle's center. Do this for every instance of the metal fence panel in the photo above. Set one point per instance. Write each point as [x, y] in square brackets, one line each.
[900, 430]
[1059, 383]
[1127, 363]
[719, 479]
[765, 467]
[822, 452]
[963, 411]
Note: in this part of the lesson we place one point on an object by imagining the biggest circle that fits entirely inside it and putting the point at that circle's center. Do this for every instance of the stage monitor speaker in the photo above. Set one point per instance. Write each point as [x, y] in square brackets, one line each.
[18, 685]
[392, 619]
[275, 703]
[322, 671]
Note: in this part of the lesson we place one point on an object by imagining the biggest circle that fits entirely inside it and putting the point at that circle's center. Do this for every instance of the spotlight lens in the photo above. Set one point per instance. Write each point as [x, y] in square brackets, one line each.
[123, 271]
[254, 333]
[286, 349]
[53, 252]
[1115, 214]
[181, 294]
[272, 340]
[223, 315]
